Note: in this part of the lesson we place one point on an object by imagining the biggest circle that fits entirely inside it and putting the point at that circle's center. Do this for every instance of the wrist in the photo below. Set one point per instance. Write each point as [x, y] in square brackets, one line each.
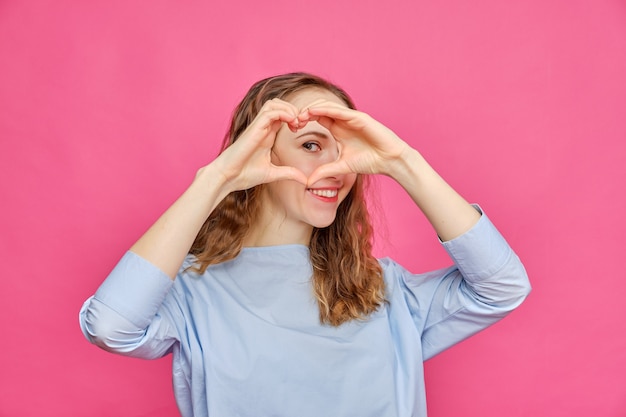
[407, 166]
[210, 180]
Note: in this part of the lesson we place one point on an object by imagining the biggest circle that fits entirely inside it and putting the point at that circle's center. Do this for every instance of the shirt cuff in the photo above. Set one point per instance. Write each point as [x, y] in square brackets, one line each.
[135, 289]
[481, 251]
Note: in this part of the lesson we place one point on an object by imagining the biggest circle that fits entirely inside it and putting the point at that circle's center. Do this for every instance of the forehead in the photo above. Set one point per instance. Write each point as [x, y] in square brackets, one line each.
[304, 97]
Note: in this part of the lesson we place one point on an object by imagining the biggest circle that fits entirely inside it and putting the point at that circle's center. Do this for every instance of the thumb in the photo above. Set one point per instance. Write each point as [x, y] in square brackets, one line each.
[288, 173]
[330, 169]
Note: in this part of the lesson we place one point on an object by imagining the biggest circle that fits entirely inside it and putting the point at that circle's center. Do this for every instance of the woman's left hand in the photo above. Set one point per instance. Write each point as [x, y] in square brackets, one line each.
[366, 146]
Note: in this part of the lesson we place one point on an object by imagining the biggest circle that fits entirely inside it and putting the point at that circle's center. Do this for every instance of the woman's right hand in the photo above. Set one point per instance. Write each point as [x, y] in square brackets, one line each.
[242, 165]
[247, 162]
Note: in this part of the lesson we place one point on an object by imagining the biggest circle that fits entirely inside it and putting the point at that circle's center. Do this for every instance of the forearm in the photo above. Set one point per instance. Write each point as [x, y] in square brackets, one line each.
[446, 210]
[168, 240]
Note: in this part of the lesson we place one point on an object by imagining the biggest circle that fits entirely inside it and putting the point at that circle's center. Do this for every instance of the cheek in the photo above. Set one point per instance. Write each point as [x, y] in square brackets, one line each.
[306, 164]
[307, 167]
[289, 157]
[349, 181]
[282, 194]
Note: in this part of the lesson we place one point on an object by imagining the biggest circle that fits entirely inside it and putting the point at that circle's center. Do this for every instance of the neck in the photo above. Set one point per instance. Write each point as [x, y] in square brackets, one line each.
[264, 235]
[272, 229]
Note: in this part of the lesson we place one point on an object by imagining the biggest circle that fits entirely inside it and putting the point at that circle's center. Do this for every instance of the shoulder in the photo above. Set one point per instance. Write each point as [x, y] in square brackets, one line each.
[189, 275]
[189, 264]
[394, 274]
[397, 275]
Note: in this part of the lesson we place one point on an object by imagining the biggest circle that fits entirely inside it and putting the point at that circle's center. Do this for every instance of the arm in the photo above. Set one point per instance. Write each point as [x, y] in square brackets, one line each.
[486, 283]
[368, 147]
[134, 311]
[488, 280]
[448, 213]
[243, 165]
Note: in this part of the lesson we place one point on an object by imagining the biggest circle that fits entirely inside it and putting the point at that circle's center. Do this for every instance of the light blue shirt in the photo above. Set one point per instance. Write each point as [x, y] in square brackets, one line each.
[247, 340]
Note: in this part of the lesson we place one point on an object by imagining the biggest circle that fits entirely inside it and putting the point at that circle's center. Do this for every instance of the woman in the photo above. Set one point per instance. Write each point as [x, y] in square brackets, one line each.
[260, 278]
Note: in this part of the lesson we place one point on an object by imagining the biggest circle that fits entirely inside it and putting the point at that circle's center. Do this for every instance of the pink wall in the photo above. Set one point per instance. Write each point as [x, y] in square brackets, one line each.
[108, 108]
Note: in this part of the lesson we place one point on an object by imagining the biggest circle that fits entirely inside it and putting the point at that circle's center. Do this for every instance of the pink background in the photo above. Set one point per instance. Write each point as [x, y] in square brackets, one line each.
[107, 109]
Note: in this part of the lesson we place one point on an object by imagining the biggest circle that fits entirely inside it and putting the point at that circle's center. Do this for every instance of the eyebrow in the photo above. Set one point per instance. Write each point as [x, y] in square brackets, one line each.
[314, 133]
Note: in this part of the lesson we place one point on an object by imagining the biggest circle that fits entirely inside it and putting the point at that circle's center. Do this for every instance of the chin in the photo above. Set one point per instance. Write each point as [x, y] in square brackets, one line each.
[322, 223]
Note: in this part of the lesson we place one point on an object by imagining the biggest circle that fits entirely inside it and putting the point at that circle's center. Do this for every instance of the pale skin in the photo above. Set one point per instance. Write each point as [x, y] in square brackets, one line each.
[307, 148]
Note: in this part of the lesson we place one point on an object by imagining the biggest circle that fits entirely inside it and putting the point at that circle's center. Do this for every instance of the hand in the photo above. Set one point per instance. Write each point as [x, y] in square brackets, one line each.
[247, 162]
[365, 145]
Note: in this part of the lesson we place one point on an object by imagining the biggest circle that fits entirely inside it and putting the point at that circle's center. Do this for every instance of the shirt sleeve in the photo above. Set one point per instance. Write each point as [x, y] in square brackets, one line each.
[129, 314]
[486, 283]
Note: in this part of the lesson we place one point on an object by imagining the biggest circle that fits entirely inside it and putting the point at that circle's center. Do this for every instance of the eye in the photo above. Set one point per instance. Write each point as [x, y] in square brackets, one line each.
[311, 146]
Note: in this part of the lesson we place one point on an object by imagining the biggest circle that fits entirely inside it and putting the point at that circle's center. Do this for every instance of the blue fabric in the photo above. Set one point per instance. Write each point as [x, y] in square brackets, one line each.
[247, 341]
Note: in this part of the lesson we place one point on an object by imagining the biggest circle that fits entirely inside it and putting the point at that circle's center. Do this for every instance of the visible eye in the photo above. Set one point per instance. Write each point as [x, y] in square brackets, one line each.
[311, 146]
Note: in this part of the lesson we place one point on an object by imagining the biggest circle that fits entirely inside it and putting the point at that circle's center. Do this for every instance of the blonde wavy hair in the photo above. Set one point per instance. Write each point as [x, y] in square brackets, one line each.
[347, 279]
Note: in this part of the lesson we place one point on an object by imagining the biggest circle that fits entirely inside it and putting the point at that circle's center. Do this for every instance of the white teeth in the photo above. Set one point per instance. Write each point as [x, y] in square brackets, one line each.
[324, 193]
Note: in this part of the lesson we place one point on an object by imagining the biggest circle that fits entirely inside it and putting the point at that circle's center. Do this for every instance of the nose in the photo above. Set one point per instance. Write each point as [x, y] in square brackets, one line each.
[334, 151]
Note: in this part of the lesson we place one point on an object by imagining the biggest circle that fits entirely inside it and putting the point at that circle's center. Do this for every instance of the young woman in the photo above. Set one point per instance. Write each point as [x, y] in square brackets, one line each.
[260, 279]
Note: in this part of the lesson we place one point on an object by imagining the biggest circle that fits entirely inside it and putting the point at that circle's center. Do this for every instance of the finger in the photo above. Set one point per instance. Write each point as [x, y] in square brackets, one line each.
[318, 102]
[330, 169]
[306, 115]
[287, 173]
[333, 110]
[266, 119]
[326, 122]
[277, 104]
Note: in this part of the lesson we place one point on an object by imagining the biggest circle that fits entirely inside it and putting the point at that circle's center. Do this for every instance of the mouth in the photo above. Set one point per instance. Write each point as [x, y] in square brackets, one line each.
[325, 194]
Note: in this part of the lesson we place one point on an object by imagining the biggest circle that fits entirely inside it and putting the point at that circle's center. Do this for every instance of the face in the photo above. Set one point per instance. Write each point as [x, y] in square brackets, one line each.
[296, 208]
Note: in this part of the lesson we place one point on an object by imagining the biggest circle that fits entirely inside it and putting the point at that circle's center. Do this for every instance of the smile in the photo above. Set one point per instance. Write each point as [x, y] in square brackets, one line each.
[324, 193]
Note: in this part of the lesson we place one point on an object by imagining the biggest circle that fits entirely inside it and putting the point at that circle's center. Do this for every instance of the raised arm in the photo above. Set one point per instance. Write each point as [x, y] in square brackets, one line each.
[243, 165]
[368, 147]
[488, 279]
[131, 313]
